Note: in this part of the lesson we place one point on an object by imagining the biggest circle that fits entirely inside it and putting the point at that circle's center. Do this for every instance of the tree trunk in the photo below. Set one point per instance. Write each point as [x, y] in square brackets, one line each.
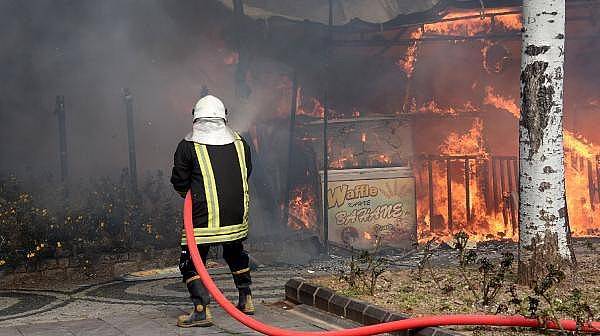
[544, 234]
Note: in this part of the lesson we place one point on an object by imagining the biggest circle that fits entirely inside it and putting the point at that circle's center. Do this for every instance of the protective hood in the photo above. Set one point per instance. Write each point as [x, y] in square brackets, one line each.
[211, 131]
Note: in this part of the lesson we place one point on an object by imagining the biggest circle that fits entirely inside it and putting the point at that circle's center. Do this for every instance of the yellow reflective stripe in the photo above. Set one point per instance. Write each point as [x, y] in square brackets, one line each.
[221, 230]
[210, 187]
[239, 146]
[218, 239]
[247, 269]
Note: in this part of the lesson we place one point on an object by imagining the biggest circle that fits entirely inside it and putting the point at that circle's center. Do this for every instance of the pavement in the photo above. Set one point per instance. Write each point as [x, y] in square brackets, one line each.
[149, 306]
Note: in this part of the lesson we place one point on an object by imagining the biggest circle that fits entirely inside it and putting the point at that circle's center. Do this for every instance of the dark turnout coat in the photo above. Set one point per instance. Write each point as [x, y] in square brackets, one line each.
[218, 178]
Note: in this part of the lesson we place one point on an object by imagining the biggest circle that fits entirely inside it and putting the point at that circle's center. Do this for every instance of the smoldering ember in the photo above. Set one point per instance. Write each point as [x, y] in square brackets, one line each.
[406, 167]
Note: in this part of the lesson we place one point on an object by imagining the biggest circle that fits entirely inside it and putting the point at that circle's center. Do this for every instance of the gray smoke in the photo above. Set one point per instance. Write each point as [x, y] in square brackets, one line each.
[88, 51]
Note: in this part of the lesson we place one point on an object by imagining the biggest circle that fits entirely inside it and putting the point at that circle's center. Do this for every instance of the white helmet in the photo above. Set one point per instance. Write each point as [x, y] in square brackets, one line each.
[209, 107]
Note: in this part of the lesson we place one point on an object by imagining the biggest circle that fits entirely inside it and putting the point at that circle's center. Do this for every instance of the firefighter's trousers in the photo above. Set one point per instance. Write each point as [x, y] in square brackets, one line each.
[234, 255]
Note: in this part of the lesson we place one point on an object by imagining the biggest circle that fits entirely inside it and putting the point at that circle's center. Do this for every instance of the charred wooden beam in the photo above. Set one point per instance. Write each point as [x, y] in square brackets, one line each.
[598, 175]
[449, 189]
[441, 38]
[513, 214]
[467, 190]
[430, 187]
[485, 185]
[495, 184]
[509, 176]
[591, 188]
[501, 166]
[516, 170]
[451, 157]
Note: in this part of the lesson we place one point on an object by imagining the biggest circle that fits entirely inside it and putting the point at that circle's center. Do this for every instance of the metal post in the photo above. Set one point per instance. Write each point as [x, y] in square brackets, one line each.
[449, 187]
[128, 99]
[294, 105]
[325, 120]
[467, 190]
[59, 110]
[430, 187]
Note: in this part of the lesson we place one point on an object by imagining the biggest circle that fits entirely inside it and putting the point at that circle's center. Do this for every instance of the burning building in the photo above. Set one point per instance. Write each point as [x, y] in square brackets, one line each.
[429, 93]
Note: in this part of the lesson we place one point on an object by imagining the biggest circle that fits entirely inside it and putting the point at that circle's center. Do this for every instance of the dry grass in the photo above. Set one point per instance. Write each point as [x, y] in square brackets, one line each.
[443, 290]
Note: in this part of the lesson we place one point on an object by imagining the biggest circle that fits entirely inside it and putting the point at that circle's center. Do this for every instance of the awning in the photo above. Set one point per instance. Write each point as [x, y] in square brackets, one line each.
[344, 11]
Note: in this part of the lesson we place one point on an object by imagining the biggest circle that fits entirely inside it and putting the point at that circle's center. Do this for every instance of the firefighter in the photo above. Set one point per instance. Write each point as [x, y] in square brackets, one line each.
[214, 163]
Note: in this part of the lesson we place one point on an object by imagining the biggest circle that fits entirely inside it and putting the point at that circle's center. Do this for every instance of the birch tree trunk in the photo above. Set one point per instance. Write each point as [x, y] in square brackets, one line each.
[544, 234]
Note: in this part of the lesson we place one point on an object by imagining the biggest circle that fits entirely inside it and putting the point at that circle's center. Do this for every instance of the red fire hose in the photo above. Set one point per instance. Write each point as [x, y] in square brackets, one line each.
[412, 323]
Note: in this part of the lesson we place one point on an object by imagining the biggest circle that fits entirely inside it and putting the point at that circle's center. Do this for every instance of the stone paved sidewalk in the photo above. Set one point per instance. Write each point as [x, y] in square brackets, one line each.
[142, 308]
[149, 322]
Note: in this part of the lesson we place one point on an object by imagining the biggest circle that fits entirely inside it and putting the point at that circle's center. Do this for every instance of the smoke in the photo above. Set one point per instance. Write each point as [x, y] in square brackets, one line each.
[88, 51]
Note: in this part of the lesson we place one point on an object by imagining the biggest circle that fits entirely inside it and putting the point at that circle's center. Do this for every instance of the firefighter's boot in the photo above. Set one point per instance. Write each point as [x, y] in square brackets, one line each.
[245, 303]
[200, 316]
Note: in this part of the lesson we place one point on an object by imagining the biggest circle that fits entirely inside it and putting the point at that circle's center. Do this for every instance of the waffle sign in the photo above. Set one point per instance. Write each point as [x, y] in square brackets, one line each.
[365, 211]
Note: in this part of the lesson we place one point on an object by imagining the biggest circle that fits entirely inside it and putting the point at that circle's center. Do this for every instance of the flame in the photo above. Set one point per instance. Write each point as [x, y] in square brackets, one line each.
[580, 145]
[503, 103]
[302, 211]
[470, 143]
[313, 109]
[232, 58]
[486, 221]
[432, 107]
[473, 26]
[582, 183]
[407, 63]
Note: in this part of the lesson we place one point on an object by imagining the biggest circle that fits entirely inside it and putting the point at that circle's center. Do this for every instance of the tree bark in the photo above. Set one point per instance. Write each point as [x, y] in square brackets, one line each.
[544, 234]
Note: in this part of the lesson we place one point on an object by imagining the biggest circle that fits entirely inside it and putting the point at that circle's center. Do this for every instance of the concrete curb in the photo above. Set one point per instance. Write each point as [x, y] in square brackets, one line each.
[300, 292]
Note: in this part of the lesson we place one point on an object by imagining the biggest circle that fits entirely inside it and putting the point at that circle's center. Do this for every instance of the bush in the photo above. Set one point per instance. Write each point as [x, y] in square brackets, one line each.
[98, 216]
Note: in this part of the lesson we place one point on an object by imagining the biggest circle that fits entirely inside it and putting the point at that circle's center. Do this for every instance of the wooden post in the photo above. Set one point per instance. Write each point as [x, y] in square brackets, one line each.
[513, 214]
[59, 110]
[591, 190]
[128, 99]
[598, 175]
[430, 187]
[495, 184]
[449, 188]
[467, 190]
[516, 168]
[509, 176]
[502, 192]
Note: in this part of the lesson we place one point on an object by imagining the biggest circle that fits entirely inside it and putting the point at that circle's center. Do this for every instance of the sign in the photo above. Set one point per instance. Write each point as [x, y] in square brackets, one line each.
[363, 211]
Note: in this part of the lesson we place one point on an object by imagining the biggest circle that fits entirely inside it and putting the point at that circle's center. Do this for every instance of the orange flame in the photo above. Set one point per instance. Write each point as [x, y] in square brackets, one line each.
[498, 101]
[302, 211]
